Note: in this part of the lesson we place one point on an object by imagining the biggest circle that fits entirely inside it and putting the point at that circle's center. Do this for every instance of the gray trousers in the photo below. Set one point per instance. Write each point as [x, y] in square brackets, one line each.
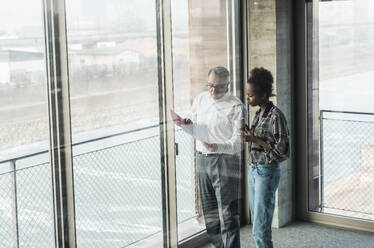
[219, 184]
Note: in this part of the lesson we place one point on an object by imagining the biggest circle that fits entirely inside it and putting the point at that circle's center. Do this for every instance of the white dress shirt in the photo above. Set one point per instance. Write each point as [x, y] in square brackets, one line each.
[220, 120]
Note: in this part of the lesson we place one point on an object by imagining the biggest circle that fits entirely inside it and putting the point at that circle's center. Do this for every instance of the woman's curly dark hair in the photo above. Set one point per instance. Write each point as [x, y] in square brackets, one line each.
[262, 80]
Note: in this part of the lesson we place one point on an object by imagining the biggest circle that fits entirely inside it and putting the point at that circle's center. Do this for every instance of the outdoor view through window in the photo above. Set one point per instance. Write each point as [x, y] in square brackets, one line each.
[25, 196]
[114, 99]
[344, 100]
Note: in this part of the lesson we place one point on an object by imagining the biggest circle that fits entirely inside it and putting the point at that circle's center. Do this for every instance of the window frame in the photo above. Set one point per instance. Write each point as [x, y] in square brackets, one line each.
[303, 63]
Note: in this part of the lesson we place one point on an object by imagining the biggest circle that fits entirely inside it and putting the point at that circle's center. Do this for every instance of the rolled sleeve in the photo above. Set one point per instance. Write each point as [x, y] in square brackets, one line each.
[235, 143]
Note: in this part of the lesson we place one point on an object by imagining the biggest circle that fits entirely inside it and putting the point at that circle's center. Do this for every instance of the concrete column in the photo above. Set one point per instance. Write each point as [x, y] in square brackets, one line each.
[284, 82]
[270, 36]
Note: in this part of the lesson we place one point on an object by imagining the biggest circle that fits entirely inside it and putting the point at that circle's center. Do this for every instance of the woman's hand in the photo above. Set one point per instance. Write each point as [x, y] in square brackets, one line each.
[247, 135]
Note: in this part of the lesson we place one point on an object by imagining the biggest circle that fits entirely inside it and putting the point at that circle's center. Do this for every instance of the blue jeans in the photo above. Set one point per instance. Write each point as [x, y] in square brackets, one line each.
[263, 181]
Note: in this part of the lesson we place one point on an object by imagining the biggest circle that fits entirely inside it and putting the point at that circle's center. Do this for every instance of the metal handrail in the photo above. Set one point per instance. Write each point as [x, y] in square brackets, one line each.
[345, 112]
[79, 143]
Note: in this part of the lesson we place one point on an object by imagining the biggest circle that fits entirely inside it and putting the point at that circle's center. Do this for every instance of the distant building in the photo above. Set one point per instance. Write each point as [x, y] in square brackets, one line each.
[104, 60]
[20, 67]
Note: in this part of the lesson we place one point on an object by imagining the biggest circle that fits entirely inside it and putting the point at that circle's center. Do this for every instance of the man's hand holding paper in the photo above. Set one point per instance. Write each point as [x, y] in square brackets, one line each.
[199, 132]
[178, 120]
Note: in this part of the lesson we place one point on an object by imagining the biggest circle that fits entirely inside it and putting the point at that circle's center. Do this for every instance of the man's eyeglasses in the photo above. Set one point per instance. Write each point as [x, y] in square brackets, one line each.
[217, 86]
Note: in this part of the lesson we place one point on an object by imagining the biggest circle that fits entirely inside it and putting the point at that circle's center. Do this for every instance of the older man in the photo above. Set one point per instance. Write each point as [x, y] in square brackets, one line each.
[218, 161]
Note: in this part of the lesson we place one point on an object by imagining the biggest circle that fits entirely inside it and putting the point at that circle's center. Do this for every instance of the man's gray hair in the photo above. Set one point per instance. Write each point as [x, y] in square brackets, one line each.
[221, 72]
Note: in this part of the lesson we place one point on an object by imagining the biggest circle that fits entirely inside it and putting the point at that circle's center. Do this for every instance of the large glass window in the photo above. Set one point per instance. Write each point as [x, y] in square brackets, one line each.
[114, 105]
[116, 96]
[340, 108]
[26, 215]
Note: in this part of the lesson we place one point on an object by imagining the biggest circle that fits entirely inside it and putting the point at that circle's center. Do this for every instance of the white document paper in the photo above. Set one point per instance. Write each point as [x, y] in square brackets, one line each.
[199, 132]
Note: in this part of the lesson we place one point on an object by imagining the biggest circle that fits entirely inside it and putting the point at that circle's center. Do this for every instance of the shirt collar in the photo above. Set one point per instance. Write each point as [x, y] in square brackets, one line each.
[224, 97]
[269, 106]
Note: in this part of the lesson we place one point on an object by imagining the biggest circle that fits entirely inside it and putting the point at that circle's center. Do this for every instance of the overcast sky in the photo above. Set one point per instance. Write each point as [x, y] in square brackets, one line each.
[18, 15]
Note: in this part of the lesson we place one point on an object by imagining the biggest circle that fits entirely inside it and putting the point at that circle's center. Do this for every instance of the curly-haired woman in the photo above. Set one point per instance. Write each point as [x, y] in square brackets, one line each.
[268, 146]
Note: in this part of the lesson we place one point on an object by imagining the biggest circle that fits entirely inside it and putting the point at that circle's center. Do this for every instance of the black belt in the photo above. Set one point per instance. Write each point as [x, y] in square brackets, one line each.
[214, 154]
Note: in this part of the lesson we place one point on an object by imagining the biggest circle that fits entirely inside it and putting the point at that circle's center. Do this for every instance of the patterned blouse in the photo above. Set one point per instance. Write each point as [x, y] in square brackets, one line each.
[271, 128]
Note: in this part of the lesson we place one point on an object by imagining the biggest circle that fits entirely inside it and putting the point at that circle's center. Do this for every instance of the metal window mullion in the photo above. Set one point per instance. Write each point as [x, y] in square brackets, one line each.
[15, 203]
[165, 80]
[230, 42]
[315, 96]
[321, 167]
[234, 61]
[314, 187]
[59, 122]
[236, 44]
[245, 214]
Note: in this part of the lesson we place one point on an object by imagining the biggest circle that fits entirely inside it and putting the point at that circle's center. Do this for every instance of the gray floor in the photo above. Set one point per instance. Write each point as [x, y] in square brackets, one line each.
[302, 235]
